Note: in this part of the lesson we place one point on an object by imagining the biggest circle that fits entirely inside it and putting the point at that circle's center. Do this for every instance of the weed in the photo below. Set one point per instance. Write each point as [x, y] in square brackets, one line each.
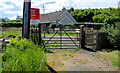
[70, 55]
[23, 55]
[64, 54]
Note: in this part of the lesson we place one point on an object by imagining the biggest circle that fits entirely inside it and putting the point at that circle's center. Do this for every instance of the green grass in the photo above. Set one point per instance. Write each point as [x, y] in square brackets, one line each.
[113, 56]
[86, 23]
[11, 32]
[63, 33]
[18, 32]
[0, 62]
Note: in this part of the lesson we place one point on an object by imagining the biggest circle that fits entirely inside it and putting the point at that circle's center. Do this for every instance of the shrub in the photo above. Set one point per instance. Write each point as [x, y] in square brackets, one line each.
[113, 34]
[23, 55]
[53, 25]
[15, 21]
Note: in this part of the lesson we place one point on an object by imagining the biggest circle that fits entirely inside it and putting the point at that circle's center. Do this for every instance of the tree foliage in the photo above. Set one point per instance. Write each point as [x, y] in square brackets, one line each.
[100, 18]
[94, 15]
[3, 20]
[112, 20]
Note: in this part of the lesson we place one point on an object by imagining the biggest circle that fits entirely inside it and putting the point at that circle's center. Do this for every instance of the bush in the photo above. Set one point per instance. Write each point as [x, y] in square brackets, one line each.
[53, 25]
[23, 55]
[15, 21]
[113, 34]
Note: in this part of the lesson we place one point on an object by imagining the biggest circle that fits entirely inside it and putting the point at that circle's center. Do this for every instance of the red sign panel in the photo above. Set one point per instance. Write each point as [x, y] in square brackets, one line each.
[34, 14]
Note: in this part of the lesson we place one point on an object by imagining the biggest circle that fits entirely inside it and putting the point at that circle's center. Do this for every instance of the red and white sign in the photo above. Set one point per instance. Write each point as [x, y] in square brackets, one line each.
[35, 13]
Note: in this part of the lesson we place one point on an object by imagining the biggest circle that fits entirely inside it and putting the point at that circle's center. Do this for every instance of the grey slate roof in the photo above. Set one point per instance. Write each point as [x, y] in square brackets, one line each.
[58, 15]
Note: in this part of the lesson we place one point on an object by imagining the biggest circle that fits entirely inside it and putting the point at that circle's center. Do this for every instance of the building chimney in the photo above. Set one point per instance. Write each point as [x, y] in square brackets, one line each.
[63, 8]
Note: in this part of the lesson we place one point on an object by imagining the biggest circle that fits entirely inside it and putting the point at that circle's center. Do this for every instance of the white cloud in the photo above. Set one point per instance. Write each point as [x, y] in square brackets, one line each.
[18, 3]
[14, 12]
[57, 5]
[95, 3]
[9, 6]
[5, 6]
[13, 18]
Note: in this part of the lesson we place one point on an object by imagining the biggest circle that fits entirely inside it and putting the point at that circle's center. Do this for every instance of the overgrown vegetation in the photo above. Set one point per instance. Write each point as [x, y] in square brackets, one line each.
[23, 55]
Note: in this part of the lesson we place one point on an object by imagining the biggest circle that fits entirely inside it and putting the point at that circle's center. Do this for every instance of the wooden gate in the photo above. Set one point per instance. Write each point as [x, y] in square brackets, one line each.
[90, 39]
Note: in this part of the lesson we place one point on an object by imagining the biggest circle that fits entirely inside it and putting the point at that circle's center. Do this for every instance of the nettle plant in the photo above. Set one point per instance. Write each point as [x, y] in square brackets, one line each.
[23, 55]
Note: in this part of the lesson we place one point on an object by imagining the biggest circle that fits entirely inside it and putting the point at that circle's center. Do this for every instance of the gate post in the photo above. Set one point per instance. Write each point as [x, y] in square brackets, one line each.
[82, 37]
[39, 34]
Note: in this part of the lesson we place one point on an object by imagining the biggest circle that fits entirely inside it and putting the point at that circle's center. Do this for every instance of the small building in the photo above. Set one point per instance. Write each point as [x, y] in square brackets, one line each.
[62, 16]
[5, 18]
[19, 18]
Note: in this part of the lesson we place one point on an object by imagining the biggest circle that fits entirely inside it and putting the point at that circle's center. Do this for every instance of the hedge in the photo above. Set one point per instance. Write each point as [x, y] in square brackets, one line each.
[86, 23]
[11, 24]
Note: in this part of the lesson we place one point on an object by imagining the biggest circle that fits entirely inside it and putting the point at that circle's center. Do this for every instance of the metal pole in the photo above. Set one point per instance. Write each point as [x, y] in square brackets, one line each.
[60, 37]
[39, 34]
[36, 41]
[26, 19]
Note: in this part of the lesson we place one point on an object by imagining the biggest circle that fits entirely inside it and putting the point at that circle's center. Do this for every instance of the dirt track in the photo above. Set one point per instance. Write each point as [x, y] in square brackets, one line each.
[81, 60]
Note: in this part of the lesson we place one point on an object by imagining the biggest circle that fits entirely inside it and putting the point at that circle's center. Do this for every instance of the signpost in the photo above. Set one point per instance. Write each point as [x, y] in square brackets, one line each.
[35, 19]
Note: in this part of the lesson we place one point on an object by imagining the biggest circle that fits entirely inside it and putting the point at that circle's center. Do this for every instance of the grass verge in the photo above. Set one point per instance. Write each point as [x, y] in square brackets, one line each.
[113, 56]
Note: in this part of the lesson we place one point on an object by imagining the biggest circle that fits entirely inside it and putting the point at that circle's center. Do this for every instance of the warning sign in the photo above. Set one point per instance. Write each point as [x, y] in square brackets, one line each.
[35, 13]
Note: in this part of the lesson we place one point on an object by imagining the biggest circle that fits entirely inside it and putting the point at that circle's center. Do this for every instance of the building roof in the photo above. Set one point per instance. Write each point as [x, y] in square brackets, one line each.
[52, 17]
[20, 16]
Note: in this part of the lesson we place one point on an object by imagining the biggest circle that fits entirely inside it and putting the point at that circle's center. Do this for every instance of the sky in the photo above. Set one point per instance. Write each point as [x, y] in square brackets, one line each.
[12, 8]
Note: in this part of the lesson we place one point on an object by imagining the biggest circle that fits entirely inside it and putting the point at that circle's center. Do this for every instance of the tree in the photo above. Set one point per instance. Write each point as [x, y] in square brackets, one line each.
[3, 20]
[100, 18]
[87, 15]
[71, 9]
